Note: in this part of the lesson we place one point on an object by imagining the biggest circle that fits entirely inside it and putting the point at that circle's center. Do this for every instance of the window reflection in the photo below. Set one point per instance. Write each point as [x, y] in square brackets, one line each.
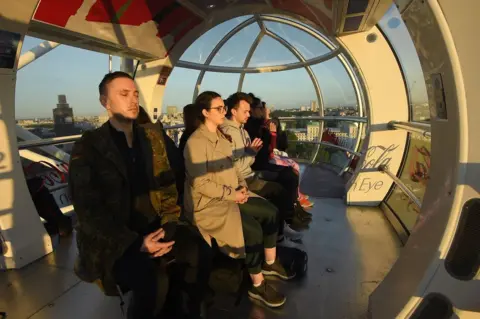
[399, 37]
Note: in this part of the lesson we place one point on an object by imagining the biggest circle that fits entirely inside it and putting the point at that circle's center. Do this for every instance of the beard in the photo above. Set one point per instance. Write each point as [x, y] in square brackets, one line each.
[122, 119]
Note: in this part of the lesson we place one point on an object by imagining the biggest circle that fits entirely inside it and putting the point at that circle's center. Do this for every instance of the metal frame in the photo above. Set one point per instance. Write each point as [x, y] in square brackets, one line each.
[217, 48]
[401, 185]
[36, 53]
[68, 139]
[412, 127]
[325, 118]
[358, 154]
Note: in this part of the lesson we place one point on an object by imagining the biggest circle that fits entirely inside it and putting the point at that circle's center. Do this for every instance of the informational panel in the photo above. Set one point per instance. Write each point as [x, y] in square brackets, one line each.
[8, 48]
[387, 100]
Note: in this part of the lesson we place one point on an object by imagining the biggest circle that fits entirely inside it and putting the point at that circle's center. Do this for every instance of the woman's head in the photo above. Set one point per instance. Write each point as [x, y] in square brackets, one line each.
[257, 110]
[211, 107]
[191, 117]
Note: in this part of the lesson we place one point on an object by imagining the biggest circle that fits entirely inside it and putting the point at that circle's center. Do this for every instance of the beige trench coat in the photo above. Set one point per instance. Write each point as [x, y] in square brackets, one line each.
[209, 199]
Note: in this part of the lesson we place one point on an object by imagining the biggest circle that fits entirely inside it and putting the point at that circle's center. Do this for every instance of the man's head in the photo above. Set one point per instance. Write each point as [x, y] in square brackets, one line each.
[119, 95]
[238, 107]
[257, 110]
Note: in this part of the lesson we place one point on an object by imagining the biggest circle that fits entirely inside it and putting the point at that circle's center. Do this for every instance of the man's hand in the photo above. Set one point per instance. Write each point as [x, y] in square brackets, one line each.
[153, 246]
[256, 145]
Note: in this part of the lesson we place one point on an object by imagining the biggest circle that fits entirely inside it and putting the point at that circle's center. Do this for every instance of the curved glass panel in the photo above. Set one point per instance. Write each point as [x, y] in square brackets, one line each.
[339, 96]
[271, 52]
[282, 90]
[234, 52]
[399, 37]
[308, 46]
[179, 90]
[222, 83]
[203, 46]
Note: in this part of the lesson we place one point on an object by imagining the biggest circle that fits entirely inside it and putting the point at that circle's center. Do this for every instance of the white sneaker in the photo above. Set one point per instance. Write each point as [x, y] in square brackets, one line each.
[291, 234]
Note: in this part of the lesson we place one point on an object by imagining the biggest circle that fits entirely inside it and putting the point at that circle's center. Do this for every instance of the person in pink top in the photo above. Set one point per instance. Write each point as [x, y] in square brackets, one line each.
[280, 157]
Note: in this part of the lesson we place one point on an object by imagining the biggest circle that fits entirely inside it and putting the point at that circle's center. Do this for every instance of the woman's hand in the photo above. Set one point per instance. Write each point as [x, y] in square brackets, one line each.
[241, 196]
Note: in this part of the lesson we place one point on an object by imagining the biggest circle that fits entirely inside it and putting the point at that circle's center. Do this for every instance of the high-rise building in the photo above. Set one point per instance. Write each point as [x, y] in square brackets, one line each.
[313, 106]
[63, 122]
[171, 110]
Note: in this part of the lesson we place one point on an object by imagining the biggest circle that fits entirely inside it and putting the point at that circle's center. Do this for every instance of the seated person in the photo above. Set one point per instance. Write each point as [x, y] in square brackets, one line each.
[244, 151]
[284, 175]
[124, 195]
[218, 203]
[280, 157]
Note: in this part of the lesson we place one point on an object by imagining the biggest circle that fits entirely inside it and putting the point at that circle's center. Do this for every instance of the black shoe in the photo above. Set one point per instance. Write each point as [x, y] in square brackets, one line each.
[276, 269]
[299, 210]
[268, 295]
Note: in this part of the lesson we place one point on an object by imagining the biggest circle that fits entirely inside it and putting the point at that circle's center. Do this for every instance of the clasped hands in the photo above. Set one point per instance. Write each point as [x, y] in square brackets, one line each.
[241, 195]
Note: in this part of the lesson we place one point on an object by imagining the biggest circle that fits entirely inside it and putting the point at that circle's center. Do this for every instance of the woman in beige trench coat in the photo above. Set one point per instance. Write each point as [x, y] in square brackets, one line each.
[217, 201]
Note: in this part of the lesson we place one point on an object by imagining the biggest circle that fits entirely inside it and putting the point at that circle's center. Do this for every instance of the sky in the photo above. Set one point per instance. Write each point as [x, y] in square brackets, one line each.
[77, 72]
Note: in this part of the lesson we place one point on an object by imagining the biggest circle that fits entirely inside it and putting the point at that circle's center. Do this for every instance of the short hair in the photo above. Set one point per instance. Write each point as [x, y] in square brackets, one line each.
[109, 77]
[233, 101]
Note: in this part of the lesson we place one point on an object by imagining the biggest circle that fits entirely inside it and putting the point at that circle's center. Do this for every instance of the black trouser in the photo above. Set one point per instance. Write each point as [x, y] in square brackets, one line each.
[149, 281]
[259, 222]
[284, 175]
[276, 194]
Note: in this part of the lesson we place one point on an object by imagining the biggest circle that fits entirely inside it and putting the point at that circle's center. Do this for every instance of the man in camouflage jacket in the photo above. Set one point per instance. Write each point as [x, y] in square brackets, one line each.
[113, 230]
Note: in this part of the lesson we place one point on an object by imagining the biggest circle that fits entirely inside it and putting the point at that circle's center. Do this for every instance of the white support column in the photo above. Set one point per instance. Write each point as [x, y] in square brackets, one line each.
[387, 97]
[36, 53]
[23, 235]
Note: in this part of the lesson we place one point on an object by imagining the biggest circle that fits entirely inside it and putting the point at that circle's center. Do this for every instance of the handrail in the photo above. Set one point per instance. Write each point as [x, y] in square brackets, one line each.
[68, 139]
[420, 128]
[325, 118]
[329, 145]
[48, 141]
[399, 183]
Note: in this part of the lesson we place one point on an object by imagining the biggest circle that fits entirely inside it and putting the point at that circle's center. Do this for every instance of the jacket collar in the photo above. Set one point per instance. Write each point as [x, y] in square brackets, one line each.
[212, 137]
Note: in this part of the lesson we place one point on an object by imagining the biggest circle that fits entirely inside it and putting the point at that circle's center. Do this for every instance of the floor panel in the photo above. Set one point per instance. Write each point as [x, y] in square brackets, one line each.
[350, 250]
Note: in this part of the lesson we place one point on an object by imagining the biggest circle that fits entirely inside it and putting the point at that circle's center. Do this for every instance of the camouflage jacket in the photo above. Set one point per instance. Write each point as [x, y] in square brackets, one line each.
[101, 197]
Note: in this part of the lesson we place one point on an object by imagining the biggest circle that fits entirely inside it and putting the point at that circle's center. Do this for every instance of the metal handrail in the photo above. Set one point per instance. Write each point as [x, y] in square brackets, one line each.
[399, 183]
[325, 118]
[68, 139]
[329, 145]
[419, 128]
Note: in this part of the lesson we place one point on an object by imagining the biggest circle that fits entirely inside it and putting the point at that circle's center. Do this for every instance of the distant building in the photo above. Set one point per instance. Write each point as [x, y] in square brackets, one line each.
[313, 131]
[63, 122]
[303, 108]
[171, 110]
[103, 118]
[313, 106]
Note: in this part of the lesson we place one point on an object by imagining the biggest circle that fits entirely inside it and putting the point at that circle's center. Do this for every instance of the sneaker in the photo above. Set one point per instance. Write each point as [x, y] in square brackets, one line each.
[301, 213]
[290, 233]
[276, 269]
[268, 295]
[302, 196]
[305, 203]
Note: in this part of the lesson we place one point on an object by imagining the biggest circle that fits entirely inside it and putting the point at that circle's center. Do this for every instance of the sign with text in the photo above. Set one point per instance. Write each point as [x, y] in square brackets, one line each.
[371, 186]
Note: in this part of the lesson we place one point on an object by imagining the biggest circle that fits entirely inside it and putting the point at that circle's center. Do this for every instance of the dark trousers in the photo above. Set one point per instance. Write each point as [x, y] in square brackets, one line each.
[260, 224]
[150, 282]
[276, 194]
[284, 175]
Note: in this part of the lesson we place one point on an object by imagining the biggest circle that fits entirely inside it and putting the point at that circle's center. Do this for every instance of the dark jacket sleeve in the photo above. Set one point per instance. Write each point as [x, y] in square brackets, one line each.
[255, 130]
[104, 238]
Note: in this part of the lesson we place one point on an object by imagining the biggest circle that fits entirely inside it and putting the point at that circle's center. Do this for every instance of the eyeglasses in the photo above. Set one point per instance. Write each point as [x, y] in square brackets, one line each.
[219, 108]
